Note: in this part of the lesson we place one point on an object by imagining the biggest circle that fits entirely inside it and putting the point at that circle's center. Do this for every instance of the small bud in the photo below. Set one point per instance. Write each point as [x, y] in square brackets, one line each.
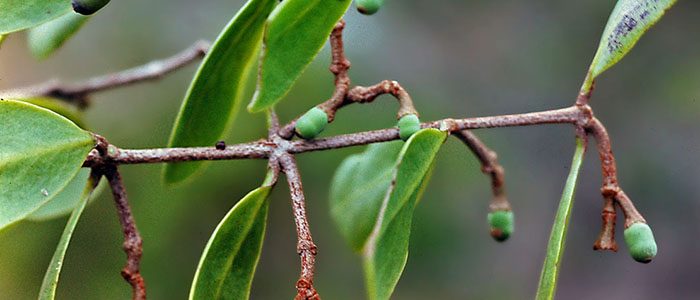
[220, 145]
[310, 124]
[408, 125]
[368, 7]
[501, 223]
[112, 150]
[88, 7]
[640, 242]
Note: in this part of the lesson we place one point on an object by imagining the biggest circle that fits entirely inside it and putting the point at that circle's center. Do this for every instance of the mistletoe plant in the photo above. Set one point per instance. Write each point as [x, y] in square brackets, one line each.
[50, 165]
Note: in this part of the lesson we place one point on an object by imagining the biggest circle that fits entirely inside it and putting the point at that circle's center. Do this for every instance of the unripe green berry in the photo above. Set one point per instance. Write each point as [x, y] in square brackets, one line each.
[368, 7]
[502, 224]
[88, 7]
[310, 124]
[640, 241]
[408, 125]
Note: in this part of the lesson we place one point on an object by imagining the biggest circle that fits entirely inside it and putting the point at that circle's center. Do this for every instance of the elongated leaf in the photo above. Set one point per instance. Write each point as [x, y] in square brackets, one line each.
[228, 263]
[295, 33]
[48, 287]
[16, 15]
[214, 95]
[383, 267]
[557, 238]
[372, 201]
[46, 38]
[40, 152]
[67, 199]
[629, 20]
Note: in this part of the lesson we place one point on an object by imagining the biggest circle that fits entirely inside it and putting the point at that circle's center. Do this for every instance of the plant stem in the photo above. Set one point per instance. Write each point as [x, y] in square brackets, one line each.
[343, 95]
[611, 190]
[263, 149]
[132, 240]
[78, 92]
[489, 166]
[305, 244]
[253, 150]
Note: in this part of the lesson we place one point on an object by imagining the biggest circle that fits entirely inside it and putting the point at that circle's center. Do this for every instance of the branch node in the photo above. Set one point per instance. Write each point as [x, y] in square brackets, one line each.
[606, 238]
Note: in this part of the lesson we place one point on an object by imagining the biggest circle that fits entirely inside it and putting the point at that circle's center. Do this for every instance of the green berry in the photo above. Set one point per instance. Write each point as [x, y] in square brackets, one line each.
[311, 123]
[501, 223]
[640, 241]
[369, 7]
[88, 7]
[408, 125]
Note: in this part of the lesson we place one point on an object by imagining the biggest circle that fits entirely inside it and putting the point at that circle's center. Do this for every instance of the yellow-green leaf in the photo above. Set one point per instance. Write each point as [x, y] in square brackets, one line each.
[48, 287]
[46, 38]
[295, 33]
[629, 20]
[557, 238]
[40, 152]
[16, 15]
[214, 95]
[228, 263]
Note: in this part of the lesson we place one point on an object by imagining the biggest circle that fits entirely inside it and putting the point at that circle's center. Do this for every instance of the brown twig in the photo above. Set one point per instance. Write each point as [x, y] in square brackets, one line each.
[611, 190]
[362, 94]
[132, 240]
[343, 95]
[263, 149]
[569, 115]
[489, 166]
[339, 67]
[254, 150]
[78, 92]
[305, 244]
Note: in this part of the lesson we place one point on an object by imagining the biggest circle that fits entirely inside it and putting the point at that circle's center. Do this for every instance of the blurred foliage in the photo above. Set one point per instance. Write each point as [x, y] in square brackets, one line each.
[457, 59]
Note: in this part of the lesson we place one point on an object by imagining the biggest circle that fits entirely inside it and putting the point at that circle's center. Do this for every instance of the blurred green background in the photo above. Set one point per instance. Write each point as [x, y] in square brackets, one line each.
[457, 59]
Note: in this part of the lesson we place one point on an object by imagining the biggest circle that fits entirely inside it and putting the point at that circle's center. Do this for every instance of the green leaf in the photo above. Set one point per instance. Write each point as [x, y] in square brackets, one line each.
[629, 20]
[228, 263]
[17, 15]
[355, 209]
[46, 38]
[555, 247]
[215, 93]
[66, 200]
[40, 152]
[2, 38]
[48, 287]
[372, 201]
[295, 33]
